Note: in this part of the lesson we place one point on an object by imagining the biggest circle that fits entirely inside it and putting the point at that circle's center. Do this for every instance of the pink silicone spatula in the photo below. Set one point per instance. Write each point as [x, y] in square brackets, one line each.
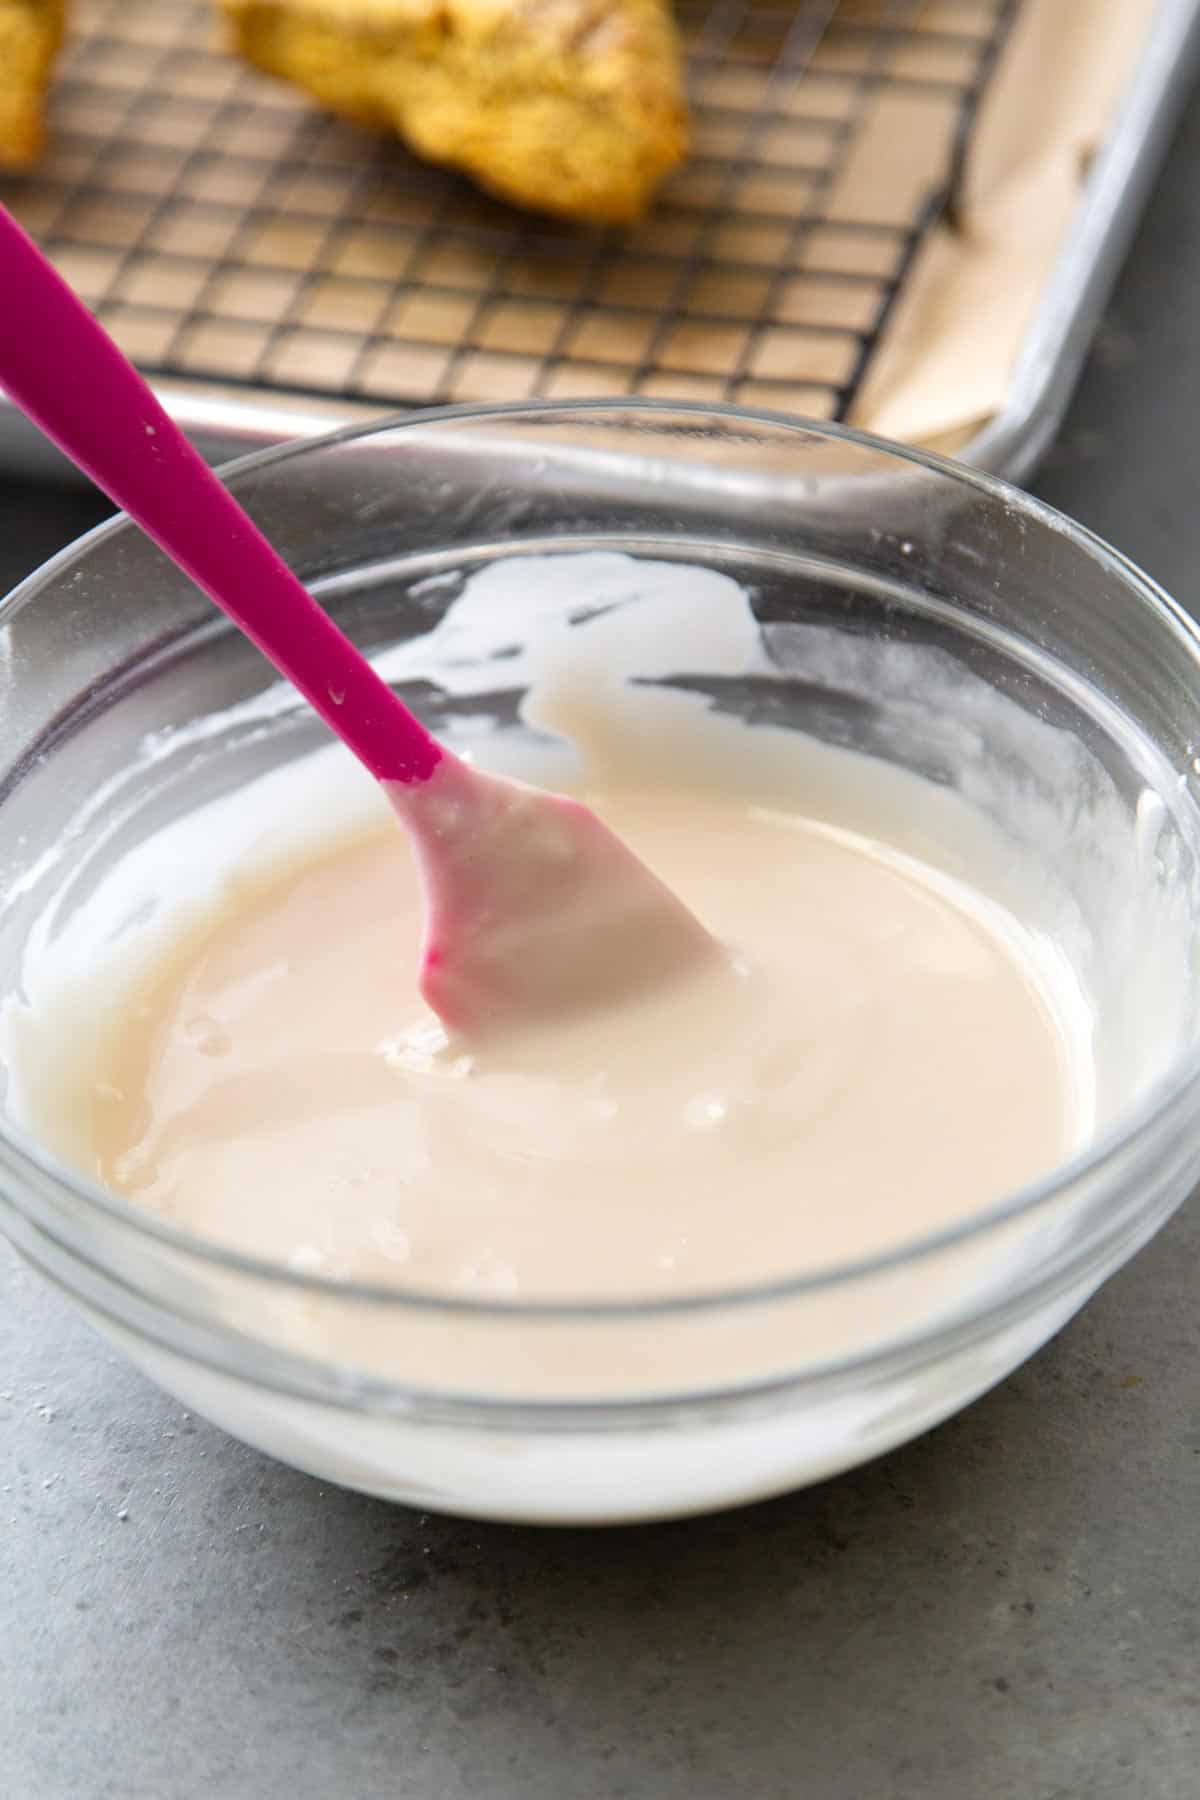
[534, 909]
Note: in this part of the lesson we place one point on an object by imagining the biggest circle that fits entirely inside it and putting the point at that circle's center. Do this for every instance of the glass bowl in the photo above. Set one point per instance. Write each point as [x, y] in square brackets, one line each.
[930, 617]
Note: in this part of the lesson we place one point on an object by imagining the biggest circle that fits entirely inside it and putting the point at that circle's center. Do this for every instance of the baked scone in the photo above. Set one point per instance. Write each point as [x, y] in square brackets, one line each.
[30, 34]
[566, 106]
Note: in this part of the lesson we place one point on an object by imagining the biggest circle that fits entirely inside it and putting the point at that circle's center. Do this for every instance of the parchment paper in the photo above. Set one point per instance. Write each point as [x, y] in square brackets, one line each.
[943, 365]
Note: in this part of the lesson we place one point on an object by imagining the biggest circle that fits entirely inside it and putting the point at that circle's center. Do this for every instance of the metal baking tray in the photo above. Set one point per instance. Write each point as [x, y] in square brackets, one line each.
[277, 272]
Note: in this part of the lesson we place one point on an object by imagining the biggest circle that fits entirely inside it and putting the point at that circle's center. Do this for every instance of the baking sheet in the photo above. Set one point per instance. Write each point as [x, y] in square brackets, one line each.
[277, 271]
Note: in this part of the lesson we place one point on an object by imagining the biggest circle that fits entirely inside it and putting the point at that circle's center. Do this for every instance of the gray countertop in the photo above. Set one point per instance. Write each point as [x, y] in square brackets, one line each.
[1006, 1610]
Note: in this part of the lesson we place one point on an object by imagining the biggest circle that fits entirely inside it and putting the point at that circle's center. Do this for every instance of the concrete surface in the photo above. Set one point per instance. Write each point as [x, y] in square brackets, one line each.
[1006, 1610]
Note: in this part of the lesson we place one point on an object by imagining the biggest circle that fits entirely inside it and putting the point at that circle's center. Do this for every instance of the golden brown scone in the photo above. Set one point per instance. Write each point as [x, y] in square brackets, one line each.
[566, 106]
[30, 33]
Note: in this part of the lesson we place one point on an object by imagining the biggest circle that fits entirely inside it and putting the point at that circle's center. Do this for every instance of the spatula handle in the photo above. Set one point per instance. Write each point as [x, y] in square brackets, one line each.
[61, 368]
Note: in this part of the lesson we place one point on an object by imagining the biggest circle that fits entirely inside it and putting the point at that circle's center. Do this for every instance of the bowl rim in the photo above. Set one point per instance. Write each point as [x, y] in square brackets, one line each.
[1164, 1097]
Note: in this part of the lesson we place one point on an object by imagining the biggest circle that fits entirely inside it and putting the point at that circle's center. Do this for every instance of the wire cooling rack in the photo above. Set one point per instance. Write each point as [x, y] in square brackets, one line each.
[229, 232]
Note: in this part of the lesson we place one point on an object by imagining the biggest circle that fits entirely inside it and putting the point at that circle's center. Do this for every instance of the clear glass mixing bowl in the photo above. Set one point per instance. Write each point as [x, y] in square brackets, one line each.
[929, 616]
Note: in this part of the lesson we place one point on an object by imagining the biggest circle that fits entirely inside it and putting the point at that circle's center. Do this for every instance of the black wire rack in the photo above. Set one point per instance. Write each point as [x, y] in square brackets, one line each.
[228, 232]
